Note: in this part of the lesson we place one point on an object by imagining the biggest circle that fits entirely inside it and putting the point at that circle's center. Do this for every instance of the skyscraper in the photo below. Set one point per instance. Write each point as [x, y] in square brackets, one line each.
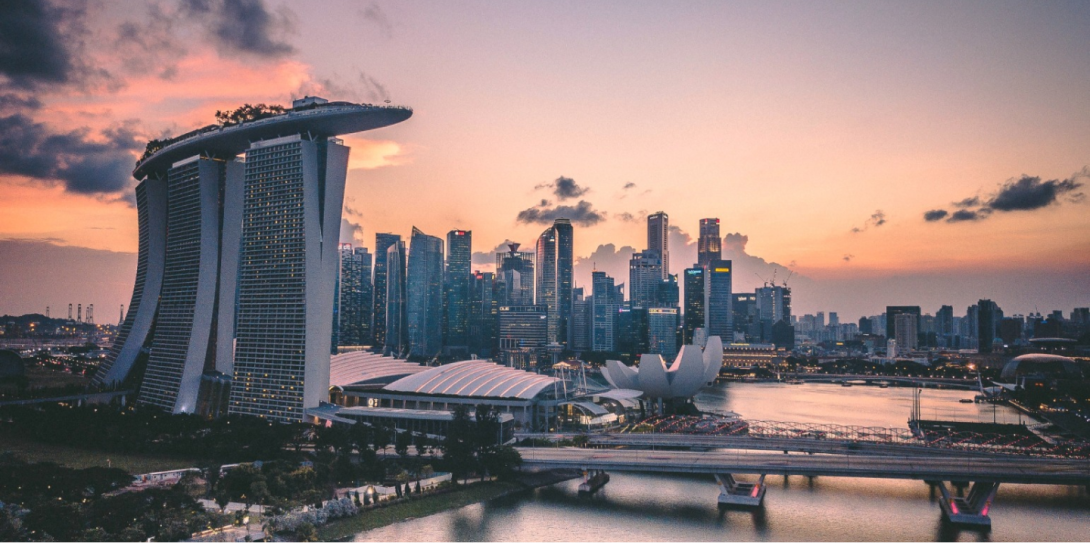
[718, 314]
[484, 314]
[891, 317]
[554, 278]
[580, 323]
[644, 278]
[658, 239]
[396, 341]
[988, 317]
[905, 332]
[694, 302]
[424, 291]
[603, 311]
[662, 323]
[378, 318]
[709, 244]
[515, 269]
[457, 278]
[354, 297]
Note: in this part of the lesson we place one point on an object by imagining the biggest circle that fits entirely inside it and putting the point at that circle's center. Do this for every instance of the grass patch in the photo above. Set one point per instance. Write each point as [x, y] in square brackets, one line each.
[415, 508]
[34, 451]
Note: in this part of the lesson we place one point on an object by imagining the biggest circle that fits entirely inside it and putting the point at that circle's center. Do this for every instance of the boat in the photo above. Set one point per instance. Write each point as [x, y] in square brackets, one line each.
[966, 400]
[845, 384]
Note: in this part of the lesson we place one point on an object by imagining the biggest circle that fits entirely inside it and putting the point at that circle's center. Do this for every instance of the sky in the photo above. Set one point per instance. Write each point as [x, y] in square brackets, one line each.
[869, 153]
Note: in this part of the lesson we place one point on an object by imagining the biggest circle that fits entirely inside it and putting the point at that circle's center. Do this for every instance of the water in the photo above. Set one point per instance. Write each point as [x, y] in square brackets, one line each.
[680, 508]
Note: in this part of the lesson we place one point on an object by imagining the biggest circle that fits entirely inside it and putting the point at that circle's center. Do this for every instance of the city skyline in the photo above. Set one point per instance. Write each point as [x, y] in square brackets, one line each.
[827, 160]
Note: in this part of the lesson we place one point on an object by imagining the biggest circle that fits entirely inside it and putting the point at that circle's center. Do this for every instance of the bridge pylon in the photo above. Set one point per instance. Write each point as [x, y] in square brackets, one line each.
[593, 480]
[972, 509]
[733, 492]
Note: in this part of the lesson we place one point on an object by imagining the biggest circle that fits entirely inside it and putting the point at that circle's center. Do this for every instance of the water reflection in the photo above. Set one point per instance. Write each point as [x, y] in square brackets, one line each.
[684, 508]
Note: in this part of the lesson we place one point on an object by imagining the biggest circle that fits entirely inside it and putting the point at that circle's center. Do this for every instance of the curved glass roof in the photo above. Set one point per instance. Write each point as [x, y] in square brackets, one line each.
[474, 378]
[362, 366]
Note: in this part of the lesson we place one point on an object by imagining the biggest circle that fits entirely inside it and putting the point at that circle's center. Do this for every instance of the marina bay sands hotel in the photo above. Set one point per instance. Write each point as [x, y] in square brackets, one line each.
[232, 307]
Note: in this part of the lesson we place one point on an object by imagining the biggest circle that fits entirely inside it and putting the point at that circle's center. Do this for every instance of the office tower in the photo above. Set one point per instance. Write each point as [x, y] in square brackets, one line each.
[668, 295]
[988, 318]
[891, 316]
[865, 326]
[658, 239]
[819, 321]
[944, 325]
[773, 303]
[644, 278]
[834, 319]
[235, 286]
[783, 335]
[354, 297]
[905, 331]
[383, 242]
[554, 277]
[662, 324]
[515, 269]
[631, 331]
[523, 326]
[717, 300]
[581, 319]
[424, 295]
[396, 343]
[484, 314]
[745, 315]
[709, 246]
[694, 302]
[457, 278]
[603, 311]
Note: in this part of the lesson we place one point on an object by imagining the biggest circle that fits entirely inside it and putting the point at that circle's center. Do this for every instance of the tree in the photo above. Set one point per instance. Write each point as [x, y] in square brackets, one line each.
[222, 499]
[402, 442]
[459, 444]
[487, 437]
[422, 443]
[380, 435]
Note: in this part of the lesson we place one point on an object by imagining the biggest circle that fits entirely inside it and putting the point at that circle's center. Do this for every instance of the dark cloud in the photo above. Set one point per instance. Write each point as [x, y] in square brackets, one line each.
[150, 45]
[373, 90]
[374, 14]
[1029, 193]
[83, 165]
[15, 102]
[878, 218]
[34, 48]
[625, 216]
[564, 188]
[629, 185]
[1026, 193]
[972, 201]
[244, 26]
[963, 215]
[935, 215]
[582, 213]
[848, 258]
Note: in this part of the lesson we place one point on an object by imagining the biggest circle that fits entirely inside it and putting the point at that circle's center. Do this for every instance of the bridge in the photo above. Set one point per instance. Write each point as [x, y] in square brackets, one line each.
[984, 472]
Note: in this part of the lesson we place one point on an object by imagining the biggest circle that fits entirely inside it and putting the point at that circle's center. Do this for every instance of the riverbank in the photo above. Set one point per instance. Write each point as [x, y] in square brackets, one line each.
[345, 529]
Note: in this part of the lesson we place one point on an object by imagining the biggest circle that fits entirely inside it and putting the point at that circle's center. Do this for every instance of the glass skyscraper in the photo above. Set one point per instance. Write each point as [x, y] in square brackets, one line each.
[709, 246]
[658, 240]
[424, 295]
[396, 325]
[378, 318]
[554, 278]
[694, 302]
[718, 311]
[458, 278]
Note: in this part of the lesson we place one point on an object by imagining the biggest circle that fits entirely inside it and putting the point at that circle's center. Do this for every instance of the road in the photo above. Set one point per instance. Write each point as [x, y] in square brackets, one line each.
[1006, 469]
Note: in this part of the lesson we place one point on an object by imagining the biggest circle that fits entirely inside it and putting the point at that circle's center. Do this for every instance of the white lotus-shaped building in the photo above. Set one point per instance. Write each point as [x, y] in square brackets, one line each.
[691, 371]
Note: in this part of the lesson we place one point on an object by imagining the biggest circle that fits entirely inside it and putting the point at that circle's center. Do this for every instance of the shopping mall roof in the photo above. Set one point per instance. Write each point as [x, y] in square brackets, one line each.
[367, 368]
[474, 378]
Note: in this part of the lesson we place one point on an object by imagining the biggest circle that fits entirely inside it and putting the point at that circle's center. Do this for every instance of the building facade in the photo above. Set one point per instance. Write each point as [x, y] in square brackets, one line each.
[658, 240]
[378, 316]
[457, 278]
[709, 246]
[718, 312]
[424, 295]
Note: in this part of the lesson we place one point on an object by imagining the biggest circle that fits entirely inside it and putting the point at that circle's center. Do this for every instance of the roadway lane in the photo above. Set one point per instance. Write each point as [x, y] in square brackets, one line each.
[930, 468]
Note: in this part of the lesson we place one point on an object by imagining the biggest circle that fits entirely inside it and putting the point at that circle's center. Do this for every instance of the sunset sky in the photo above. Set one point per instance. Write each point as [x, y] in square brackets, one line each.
[885, 153]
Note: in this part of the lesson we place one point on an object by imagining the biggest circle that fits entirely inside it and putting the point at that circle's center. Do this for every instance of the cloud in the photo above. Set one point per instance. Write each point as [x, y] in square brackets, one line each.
[629, 185]
[373, 13]
[244, 26]
[83, 163]
[351, 233]
[848, 258]
[564, 188]
[607, 258]
[35, 44]
[962, 215]
[878, 218]
[735, 242]
[1027, 193]
[971, 201]
[631, 217]
[150, 45]
[15, 102]
[935, 215]
[582, 214]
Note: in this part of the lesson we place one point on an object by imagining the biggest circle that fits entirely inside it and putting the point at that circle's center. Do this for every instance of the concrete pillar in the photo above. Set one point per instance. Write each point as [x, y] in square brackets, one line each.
[734, 493]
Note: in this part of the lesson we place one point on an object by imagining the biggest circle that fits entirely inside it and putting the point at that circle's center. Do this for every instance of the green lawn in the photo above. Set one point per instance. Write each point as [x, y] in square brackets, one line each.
[414, 508]
[34, 451]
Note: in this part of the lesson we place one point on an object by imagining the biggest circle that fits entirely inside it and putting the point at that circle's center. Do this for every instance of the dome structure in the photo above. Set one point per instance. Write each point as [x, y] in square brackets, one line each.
[691, 370]
[1049, 365]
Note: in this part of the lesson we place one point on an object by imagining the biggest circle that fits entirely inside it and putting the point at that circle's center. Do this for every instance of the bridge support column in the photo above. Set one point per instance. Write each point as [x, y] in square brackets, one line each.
[593, 480]
[732, 492]
[972, 509]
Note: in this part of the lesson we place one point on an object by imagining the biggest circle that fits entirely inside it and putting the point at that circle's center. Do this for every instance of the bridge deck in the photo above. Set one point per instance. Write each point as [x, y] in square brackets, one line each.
[929, 468]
